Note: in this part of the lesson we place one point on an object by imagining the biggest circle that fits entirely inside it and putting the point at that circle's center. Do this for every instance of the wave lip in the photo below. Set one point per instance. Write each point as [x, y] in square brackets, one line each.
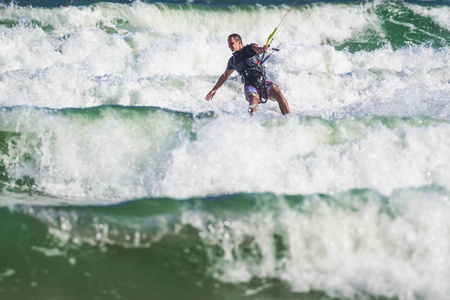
[116, 153]
[99, 153]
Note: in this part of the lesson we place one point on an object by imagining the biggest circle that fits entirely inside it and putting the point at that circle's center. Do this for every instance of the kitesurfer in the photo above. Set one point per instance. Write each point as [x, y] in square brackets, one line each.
[246, 61]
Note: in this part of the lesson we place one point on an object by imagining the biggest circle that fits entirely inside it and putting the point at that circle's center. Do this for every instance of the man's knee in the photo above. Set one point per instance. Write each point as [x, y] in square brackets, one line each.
[277, 94]
[276, 89]
[254, 101]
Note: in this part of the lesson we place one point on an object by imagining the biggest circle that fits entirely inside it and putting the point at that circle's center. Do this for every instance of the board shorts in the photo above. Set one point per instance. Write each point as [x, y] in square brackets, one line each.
[251, 91]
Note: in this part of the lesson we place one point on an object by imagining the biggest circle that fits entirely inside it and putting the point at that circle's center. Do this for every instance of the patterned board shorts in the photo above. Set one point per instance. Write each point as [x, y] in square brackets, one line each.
[251, 91]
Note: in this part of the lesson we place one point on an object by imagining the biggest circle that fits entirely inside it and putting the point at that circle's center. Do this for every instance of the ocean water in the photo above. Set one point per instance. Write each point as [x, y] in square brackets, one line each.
[119, 181]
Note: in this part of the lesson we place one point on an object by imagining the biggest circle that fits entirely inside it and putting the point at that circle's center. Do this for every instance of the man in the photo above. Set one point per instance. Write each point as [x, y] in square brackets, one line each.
[246, 61]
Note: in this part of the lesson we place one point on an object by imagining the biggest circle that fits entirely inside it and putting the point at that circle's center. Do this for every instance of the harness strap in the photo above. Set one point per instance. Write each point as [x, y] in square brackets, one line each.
[263, 89]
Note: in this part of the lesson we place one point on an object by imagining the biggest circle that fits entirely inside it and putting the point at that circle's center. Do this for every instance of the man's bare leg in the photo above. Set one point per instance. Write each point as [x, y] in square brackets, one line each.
[276, 93]
[253, 104]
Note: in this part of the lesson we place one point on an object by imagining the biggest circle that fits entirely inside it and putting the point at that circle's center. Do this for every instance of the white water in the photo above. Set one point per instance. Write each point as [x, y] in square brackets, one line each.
[297, 157]
[355, 245]
[118, 154]
[392, 241]
[171, 58]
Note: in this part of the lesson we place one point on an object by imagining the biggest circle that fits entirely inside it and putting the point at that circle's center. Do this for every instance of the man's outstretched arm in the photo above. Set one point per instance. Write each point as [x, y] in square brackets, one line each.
[222, 79]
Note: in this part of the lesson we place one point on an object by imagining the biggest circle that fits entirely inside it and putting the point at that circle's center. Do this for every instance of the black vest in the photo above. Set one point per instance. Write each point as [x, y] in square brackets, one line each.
[247, 64]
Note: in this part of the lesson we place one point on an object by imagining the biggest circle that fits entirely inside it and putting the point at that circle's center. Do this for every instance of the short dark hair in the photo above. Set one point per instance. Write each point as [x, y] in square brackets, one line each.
[236, 37]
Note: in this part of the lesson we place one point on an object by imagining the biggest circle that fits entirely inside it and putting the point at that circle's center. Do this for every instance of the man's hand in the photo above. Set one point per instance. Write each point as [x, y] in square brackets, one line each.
[210, 95]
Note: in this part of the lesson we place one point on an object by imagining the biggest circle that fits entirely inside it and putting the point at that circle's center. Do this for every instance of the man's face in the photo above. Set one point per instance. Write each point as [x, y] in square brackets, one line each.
[233, 45]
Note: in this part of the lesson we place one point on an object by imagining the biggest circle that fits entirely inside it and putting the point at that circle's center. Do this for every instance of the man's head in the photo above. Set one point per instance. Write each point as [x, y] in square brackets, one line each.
[235, 42]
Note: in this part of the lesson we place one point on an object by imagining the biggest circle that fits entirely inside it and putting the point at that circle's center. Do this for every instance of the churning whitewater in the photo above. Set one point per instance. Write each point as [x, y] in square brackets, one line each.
[118, 179]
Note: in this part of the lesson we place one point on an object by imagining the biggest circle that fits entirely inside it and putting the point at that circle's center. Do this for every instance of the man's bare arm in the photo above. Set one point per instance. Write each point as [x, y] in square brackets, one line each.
[259, 50]
[222, 79]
